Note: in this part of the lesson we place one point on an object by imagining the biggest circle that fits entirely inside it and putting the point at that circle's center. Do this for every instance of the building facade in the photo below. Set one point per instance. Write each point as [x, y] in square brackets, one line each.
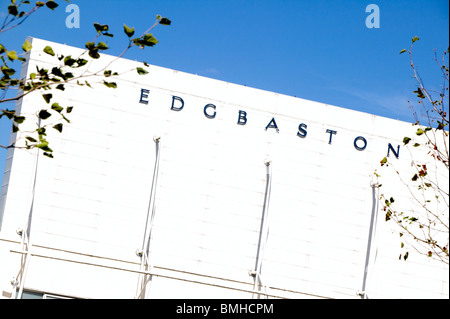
[173, 185]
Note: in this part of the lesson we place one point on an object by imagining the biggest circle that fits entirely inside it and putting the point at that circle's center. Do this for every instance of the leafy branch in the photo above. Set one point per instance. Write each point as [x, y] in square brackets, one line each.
[426, 227]
[17, 16]
[60, 75]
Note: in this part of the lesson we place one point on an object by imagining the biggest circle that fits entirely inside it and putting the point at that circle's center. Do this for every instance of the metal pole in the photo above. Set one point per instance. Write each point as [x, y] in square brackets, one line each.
[372, 233]
[264, 231]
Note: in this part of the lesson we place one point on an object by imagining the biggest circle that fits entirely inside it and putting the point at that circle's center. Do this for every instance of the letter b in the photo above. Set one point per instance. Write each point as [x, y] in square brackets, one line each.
[242, 120]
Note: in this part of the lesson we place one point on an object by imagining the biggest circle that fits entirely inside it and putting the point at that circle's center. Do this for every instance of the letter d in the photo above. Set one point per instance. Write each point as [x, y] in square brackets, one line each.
[173, 103]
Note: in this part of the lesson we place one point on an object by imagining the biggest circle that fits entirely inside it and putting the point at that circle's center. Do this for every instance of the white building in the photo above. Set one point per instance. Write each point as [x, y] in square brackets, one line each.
[174, 185]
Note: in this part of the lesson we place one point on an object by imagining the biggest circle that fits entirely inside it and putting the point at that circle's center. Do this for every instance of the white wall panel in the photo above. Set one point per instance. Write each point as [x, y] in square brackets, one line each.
[93, 200]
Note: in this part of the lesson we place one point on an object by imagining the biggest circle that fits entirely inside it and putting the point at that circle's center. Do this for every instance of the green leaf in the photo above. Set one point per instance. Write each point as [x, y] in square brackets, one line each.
[65, 118]
[416, 144]
[49, 50]
[419, 93]
[44, 146]
[419, 132]
[406, 140]
[12, 55]
[58, 127]
[47, 97]
[8, 113]
[57, 107]
[128, 31]
[51, 4]
[403, 51]
[415, 177]
[102, 46]
[150, 39]
[7, 71]
[101, 27]
[415, 39]
[81, 62]
[441, 125]
[147, 40]
[26, 46]
[69, 61]
[94, 54]
[44, 114]
[41, 132]
[141, 71]
[388, 215]
[57, 71]
[110, 84]
[19, 119]
[69, 109]
[90, 45]
[31, 139]
[12, 9]
[164, 21]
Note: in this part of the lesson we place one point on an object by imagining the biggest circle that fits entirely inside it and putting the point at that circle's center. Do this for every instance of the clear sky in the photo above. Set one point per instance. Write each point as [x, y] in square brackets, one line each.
[317, 50]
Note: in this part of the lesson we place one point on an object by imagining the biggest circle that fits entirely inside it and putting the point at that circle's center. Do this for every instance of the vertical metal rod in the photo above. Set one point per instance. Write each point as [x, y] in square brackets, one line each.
[372, 232]
[144, 253]
[26, 232]
[263, 232]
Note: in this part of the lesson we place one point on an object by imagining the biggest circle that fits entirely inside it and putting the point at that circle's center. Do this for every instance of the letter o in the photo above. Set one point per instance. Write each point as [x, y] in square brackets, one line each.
[359, 148]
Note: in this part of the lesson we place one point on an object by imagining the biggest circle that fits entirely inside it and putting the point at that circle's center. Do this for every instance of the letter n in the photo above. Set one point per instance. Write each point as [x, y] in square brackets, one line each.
[391, 148]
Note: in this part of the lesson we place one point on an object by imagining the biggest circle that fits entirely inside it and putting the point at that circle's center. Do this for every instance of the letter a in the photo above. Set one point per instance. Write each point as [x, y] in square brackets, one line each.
[272, 124]
[373, 19]
[73, 19]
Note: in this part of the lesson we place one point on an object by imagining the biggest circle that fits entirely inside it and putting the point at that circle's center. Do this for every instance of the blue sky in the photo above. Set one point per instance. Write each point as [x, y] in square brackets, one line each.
[317, 50]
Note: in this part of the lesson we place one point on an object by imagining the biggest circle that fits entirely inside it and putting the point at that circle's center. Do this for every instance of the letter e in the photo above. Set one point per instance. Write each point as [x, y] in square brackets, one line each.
[144, 95]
